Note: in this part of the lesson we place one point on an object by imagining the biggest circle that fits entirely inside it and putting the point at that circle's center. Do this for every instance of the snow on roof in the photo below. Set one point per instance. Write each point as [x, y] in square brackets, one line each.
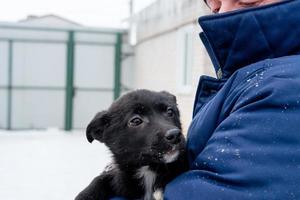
[45, 27]
[50, 19]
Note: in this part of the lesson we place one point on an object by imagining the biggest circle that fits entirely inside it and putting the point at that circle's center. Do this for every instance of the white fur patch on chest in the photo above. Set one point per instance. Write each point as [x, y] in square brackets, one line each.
[158, 195]
[149, 178]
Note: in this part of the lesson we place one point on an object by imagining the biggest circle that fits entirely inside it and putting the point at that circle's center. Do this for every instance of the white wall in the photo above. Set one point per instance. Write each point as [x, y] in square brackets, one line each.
[159, 50]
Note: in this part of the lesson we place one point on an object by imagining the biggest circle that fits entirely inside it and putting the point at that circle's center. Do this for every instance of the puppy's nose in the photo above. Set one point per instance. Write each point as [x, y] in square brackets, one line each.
[173, 136]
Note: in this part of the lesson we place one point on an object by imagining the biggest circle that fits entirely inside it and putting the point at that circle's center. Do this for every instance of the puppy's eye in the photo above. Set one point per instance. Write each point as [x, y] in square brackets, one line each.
[135, 121]
[170, 112]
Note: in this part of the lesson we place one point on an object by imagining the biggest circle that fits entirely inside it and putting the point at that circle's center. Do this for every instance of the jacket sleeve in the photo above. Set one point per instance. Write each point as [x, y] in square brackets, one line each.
[254, 151]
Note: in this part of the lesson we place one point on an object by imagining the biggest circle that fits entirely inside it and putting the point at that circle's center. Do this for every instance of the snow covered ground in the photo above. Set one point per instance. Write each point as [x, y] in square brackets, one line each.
[48, 165]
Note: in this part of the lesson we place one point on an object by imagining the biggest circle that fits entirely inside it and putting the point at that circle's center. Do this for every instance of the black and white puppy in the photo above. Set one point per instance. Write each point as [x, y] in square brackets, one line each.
[142, 129]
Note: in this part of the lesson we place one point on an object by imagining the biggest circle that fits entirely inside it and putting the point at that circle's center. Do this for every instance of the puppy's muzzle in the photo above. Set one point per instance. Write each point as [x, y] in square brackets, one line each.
[173, 136]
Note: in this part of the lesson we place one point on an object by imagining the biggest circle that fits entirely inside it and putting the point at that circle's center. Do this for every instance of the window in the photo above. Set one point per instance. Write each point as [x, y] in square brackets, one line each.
[185, 59]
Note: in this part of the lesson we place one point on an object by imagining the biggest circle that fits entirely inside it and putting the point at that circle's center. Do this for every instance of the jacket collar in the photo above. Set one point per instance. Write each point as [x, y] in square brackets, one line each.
[236, 39]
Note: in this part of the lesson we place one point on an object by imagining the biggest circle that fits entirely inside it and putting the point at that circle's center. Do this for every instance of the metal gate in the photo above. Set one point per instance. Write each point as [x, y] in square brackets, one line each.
[56, 77]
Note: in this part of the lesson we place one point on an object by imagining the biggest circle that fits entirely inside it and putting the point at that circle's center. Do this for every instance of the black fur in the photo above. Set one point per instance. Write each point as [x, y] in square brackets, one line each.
[140, 128]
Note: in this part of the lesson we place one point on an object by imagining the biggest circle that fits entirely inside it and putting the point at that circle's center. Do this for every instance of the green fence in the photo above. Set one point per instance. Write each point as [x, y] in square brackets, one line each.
[71, 43]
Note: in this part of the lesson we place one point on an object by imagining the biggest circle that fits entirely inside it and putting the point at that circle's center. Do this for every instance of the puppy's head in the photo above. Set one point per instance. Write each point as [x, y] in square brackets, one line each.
[142, 127]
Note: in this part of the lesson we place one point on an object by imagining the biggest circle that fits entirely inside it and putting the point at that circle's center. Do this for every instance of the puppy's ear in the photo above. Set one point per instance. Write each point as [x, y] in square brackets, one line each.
[170, 96]
[97, 126]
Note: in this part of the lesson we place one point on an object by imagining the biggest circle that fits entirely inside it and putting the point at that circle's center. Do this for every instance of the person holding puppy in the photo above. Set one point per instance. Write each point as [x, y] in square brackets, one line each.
[244, 140]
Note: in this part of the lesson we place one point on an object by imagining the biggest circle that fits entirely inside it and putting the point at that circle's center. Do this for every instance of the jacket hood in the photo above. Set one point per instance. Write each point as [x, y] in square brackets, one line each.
[237, 39]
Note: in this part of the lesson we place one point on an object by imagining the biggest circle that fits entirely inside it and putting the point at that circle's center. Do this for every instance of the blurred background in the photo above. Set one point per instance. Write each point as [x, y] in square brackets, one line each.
[61, 61]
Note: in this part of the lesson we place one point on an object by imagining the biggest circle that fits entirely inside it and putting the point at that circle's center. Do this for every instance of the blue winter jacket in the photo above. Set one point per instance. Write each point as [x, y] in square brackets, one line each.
[244, 140]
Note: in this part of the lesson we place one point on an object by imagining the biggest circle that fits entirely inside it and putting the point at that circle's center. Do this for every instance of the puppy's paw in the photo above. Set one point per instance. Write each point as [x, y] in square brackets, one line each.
[158, 195]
